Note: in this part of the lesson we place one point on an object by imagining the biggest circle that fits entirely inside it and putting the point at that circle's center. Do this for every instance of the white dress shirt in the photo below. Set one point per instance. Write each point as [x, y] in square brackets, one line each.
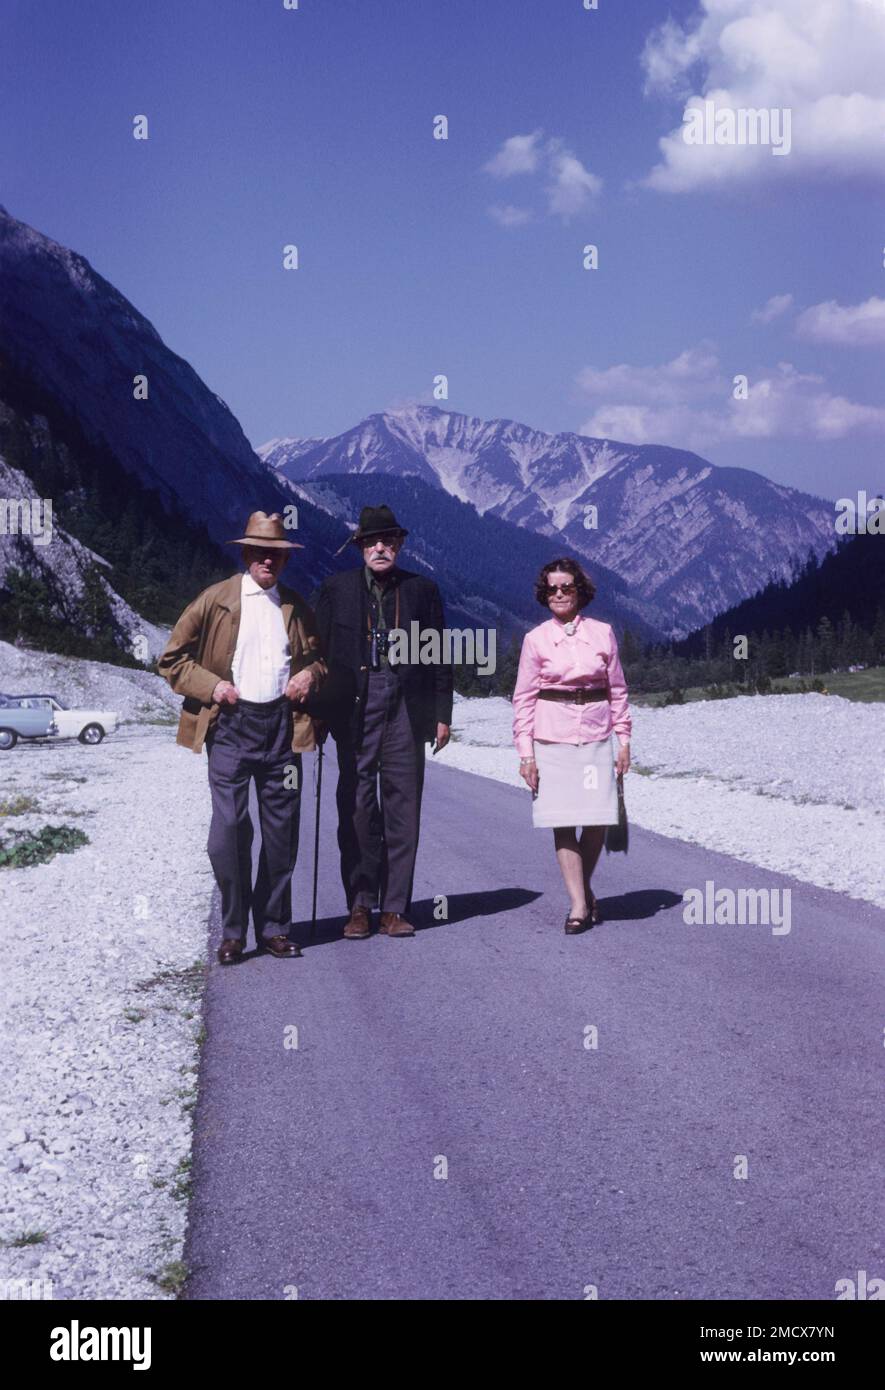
[262, 658]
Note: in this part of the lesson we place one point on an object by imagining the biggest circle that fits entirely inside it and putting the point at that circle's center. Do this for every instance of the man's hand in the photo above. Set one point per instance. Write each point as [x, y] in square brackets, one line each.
[225, 693]
[622, 762]
[299, 686]
[443, 733]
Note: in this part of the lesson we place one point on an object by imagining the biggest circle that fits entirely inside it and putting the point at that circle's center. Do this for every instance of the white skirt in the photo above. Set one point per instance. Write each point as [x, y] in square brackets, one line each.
[576, 784]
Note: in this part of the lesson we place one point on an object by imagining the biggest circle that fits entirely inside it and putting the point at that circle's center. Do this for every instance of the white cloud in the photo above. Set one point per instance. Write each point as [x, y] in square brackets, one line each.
[508, 215]
[570, 185]
[518, 155]
[689, 403]
[692, 374]
[777, 305]
[823, 60]
[848, 325]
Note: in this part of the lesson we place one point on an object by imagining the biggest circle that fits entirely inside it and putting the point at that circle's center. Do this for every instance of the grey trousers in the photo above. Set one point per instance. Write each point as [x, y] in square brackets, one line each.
[250, 741]
[379, 841]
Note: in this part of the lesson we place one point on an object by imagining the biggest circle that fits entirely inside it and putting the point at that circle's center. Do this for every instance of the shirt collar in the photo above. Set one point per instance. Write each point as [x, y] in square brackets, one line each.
[372, 579]
[558, 633]
[249, 586]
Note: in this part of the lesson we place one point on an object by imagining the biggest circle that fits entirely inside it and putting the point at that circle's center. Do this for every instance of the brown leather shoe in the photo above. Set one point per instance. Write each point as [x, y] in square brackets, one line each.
[358, 926]
[230, 950]
[395, 924]
[281, 947]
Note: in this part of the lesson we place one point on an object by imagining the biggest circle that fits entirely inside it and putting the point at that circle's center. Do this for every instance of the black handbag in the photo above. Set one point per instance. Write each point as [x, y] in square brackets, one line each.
[617, 837]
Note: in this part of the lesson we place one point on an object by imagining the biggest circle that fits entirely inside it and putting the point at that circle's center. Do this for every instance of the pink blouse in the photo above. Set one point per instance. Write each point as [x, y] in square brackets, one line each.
[550, 657]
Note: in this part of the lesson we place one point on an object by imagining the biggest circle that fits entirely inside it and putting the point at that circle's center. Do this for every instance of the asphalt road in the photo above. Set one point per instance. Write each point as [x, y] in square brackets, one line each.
[461, 1051]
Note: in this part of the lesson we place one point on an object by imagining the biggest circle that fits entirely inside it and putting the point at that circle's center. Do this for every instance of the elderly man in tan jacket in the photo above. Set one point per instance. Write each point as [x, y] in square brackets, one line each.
[245, 654]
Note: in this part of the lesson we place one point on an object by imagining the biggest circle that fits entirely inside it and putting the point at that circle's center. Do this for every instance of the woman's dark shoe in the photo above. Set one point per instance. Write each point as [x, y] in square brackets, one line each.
[574, 925]
[594, 916]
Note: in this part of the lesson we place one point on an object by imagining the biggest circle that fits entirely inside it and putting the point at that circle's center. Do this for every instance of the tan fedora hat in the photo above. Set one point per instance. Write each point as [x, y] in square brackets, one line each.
[264, 530]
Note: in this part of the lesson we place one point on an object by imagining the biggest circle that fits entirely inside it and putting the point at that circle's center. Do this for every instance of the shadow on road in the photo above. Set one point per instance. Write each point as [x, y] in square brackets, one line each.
[637, 906]
[461, 908]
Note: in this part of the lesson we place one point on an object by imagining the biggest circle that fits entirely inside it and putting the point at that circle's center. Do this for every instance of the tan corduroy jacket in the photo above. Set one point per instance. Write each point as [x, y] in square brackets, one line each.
[200, 653]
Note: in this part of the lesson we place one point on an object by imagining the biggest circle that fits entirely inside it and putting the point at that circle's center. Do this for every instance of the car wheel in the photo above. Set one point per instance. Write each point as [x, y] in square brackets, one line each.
[93, 733]
[8, 738]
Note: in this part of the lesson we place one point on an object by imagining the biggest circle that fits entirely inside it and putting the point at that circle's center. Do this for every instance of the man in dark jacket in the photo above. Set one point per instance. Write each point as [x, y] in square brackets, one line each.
[386, 711]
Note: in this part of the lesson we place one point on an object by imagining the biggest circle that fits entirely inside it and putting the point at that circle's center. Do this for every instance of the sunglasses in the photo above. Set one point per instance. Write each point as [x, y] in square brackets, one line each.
[561, 588]
[388, 540]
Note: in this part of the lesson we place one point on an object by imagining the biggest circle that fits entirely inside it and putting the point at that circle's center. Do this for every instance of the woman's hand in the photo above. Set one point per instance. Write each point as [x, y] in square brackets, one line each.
[528, 771]
[622, 761]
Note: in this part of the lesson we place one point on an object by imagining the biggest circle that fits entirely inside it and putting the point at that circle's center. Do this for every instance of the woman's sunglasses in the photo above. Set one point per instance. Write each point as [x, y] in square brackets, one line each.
[561, 588]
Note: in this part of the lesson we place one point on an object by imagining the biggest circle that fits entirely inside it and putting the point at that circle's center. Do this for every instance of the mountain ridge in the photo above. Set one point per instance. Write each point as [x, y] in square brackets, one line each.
[693, 538]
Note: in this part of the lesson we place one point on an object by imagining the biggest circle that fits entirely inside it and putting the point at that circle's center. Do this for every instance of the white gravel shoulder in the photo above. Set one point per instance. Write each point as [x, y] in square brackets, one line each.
[103, 970]
[792, 783]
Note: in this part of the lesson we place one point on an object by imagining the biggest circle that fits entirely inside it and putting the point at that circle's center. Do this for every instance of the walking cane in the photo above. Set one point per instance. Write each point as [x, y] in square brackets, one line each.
[316, 843]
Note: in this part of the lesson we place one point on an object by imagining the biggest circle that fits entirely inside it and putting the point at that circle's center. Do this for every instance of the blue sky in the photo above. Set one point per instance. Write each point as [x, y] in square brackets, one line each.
[463, 256]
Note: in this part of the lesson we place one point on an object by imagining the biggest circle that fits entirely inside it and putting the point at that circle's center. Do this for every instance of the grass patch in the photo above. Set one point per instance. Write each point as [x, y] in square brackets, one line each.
[19, 805]
[172, 1277]
[26, 1238]
[189, 980]
[182, 1180]
[21, 850]
[866, 687]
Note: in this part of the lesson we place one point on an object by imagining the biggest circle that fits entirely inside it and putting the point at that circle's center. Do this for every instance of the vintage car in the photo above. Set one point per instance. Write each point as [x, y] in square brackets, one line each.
[44, 716]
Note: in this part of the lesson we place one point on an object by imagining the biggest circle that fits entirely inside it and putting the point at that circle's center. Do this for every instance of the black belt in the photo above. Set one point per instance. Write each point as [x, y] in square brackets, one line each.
[585, 696]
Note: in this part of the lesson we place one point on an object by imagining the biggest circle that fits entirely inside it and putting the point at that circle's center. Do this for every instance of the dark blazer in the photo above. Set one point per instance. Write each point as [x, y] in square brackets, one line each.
[341, 612]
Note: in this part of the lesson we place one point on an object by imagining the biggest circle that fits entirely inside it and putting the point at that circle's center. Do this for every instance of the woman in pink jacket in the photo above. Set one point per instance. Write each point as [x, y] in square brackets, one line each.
[570, 697]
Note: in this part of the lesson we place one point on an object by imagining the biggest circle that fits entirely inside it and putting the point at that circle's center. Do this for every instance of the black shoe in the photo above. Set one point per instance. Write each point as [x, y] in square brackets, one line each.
[575, 925]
